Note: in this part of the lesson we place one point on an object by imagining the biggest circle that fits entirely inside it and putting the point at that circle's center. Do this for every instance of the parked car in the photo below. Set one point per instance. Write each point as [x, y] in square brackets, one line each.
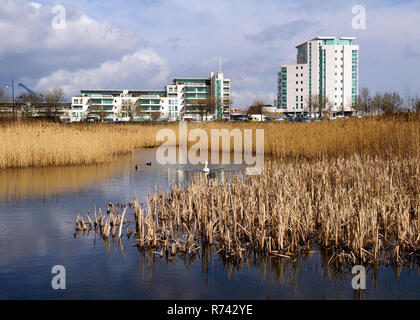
[290, 118]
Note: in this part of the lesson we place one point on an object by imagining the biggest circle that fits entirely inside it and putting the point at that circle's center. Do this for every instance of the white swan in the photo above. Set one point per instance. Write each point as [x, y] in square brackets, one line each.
[205, 169]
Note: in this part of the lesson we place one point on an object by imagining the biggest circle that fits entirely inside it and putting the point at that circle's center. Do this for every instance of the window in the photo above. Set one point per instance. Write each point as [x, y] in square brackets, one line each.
[297, 89]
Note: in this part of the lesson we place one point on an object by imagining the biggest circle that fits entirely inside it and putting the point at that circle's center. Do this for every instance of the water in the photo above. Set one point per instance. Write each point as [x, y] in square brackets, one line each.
[37, 214]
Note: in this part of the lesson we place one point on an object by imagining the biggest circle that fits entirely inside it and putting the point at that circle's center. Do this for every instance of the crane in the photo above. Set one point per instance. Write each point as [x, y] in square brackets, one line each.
[27, 89]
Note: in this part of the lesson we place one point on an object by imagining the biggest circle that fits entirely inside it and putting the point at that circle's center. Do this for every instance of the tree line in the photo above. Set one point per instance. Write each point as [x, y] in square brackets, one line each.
[366, 103]
[48, 104]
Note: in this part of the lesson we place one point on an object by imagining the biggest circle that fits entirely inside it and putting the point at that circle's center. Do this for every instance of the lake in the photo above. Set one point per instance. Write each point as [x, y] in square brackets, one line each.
[38, 209]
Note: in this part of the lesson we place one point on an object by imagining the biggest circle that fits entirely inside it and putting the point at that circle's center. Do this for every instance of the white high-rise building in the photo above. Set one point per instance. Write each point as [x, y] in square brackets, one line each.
[177, 101]
[325, 66]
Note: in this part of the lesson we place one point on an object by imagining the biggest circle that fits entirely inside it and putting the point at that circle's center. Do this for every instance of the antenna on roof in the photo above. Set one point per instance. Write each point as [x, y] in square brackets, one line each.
[220, 65]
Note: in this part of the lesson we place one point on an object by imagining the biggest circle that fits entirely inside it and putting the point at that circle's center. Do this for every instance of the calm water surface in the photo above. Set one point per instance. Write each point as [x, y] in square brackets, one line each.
[38, 208]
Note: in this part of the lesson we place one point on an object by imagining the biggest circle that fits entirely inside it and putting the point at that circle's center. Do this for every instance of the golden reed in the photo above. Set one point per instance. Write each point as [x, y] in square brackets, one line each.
[363, 210]
[43, 144]
[349, 187]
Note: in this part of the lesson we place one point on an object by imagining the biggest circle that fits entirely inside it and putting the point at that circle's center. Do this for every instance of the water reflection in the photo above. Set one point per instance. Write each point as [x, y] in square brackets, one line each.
[292, 273]
[36, 235]
[53, 182]
[41, 183]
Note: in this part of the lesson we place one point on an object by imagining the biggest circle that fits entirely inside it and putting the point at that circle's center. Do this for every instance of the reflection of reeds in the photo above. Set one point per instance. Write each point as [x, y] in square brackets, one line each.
[17, 184]
[48, 144]
[361, 210]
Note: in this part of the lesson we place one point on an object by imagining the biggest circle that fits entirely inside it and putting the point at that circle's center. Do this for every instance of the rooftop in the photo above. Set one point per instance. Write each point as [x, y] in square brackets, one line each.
[328, 38]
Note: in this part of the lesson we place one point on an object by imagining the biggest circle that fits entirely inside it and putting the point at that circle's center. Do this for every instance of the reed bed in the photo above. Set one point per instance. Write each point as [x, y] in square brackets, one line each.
[42, 144]
[361, 209]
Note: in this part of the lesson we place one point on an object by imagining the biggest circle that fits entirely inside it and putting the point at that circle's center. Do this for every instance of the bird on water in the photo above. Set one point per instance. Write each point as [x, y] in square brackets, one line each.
[205, 169]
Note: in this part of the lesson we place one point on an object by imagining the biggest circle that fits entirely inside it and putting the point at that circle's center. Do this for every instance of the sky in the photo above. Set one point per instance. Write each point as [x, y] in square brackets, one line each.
[144, 44]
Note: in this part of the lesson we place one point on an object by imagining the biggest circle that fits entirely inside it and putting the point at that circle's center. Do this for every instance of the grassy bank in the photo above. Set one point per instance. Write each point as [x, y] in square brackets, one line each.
[47, 144]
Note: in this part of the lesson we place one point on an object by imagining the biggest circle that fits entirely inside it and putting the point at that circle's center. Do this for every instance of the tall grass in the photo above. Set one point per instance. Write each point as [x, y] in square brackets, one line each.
[362, 210]
[43, 144]
[48, 144]
[350, 187]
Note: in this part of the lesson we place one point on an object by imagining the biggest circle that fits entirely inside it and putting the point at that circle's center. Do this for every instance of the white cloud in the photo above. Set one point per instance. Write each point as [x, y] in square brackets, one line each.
[35, 5]
[245, 98]
[133, 71]
[87, 53]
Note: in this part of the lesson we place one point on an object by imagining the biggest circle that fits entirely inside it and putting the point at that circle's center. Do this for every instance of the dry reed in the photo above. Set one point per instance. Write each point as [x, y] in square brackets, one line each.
[362, 209]
[48, 144]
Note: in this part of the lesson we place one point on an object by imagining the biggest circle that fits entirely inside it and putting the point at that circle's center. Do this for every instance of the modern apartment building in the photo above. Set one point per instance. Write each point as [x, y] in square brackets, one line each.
[326, 66]
[178, 101]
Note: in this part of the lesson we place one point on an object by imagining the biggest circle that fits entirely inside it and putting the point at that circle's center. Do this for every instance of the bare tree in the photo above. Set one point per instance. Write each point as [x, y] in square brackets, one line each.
[156, 116]
[29, 98]
[376, 103]
[98, 111]
[362, 101]
[201, 108]
[320, 104]
[391, 102]
[211, 104]
[416, 104]
[53, 99]
[132, 109]
[141, 109]
[407, 98]
[4, 97]
[256, 108]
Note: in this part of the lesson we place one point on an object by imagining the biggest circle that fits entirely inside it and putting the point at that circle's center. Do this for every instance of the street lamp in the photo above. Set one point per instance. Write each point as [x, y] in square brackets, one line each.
[13, 96]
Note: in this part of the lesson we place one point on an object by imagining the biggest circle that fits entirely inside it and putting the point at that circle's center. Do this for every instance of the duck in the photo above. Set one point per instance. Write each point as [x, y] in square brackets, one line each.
[148, 164]
[205, 169]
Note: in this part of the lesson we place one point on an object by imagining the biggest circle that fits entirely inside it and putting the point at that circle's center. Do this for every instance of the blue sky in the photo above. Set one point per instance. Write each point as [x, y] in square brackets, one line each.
[146, 43]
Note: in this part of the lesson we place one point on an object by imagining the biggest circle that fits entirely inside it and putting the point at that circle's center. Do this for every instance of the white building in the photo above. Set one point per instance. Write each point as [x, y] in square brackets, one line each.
[176, 102]
[325, 66]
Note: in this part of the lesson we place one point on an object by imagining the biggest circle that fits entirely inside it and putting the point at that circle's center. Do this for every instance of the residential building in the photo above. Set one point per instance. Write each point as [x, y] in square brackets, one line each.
[326, 66]
[183, 99]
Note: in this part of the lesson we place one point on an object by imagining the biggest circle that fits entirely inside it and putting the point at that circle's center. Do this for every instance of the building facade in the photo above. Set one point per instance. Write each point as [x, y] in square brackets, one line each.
[326, 67]
[179, 100]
